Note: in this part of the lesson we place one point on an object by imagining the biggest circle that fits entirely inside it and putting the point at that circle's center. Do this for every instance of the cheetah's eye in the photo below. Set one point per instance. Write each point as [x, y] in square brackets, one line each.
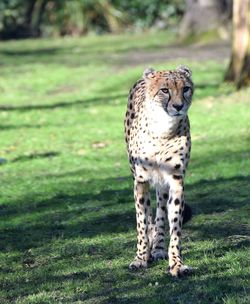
[165, 91]
[186, 89]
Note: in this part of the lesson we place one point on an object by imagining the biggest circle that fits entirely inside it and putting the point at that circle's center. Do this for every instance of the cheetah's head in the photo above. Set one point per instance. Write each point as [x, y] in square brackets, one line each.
[172, 90]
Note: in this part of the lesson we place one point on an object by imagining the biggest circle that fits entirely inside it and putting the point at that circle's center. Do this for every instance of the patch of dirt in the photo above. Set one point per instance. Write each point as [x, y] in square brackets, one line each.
[216, 52]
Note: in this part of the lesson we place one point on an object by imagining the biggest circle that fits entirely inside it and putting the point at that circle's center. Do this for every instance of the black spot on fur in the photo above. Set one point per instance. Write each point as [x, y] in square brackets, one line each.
[177, 202]
[165, 195]
[141, 200]
[158, 247]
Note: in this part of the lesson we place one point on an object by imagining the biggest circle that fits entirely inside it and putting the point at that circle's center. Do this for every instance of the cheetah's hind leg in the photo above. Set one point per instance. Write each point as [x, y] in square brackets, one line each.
[158, 251]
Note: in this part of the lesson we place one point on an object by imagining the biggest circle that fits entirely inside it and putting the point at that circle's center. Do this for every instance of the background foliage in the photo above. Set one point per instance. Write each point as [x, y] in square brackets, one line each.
[34, 18]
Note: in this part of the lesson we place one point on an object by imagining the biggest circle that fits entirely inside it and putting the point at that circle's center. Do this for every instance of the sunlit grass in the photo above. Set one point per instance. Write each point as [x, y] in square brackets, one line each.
[67, 215]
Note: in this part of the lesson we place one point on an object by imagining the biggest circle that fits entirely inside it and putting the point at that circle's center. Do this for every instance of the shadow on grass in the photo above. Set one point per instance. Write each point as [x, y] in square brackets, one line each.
[14, 127]
[168, 290]
[70, 218]
[27, 52]
[96, 52]
[48, 154]
[84, 102]
[112, 211]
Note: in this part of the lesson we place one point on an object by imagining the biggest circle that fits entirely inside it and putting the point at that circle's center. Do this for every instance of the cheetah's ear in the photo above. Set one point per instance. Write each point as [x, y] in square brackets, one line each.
[147, 72]
[185, 70]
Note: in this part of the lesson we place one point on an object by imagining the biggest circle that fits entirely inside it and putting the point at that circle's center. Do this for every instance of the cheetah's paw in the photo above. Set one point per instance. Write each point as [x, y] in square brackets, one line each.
[137, 263]
[180, 271]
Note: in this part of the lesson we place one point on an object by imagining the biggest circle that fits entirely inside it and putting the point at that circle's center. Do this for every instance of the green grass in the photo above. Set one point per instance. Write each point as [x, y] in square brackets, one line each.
[67, 213]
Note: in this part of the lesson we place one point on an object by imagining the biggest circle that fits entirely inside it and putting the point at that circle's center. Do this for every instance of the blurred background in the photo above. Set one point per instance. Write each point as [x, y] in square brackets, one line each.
[46, 18]
[67, 228]
[20, 19]
[189, 20]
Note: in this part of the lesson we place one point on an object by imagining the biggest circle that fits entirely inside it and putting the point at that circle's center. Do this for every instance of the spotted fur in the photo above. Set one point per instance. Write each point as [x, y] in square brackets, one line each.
[158, 143]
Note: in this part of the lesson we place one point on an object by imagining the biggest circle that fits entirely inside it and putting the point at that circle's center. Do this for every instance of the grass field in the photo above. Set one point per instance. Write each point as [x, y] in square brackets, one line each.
[67, 212]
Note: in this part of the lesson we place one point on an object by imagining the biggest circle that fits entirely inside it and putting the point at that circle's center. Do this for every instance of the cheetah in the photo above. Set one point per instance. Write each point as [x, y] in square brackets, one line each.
[157, 133]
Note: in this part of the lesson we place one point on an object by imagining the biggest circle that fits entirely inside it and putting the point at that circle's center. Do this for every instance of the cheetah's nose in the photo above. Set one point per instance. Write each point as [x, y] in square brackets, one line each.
[178, 107]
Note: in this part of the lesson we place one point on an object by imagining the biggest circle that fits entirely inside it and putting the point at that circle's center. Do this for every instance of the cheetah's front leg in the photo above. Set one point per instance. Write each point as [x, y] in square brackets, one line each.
[143, 218]
[175, 216]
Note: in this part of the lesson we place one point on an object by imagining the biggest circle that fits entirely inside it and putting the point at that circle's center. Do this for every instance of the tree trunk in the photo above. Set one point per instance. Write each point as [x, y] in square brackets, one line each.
[37, 15]
[204, 15]
[29, 12]
[27, 31]
[239, 39]
[244, 77]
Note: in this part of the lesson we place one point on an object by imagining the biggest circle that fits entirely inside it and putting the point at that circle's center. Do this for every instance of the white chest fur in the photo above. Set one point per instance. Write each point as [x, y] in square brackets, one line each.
[159, 122]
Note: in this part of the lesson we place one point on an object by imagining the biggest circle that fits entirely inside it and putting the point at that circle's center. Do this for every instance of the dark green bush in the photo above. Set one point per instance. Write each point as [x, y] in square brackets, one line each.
[144, 14]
